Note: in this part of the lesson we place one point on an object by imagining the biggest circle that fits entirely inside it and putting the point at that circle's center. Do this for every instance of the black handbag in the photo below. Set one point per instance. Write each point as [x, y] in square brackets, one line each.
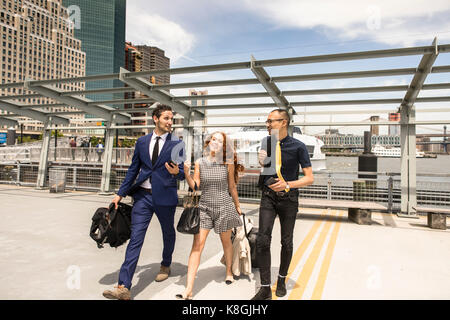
[189, 222]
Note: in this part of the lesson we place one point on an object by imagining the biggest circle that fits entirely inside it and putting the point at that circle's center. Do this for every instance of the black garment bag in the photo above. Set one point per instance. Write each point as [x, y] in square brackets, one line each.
[111, 226]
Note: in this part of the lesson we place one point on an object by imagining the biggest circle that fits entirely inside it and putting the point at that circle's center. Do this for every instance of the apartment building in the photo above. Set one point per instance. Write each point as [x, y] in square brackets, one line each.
[37, 42]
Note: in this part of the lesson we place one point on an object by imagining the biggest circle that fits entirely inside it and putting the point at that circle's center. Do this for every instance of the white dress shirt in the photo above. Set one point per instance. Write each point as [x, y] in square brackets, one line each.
[146, 184]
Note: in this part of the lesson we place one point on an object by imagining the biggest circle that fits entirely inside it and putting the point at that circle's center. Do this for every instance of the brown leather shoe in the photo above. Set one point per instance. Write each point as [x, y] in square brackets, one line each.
[119, 293]
[163, 274]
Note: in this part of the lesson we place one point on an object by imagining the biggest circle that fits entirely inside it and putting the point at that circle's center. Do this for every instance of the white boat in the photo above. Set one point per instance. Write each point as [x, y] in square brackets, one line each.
[392, 152]
[249, 139]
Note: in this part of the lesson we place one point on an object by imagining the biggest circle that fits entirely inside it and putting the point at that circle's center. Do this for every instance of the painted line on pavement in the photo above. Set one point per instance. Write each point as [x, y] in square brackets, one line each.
[300, 251]
[320, 284]
[305, 275]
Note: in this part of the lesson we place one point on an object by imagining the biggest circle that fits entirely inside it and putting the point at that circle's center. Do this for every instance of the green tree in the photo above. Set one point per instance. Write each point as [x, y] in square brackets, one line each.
[128, 143]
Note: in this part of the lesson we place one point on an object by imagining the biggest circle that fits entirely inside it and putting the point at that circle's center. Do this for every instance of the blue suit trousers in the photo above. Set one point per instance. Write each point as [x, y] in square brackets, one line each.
[141, 216]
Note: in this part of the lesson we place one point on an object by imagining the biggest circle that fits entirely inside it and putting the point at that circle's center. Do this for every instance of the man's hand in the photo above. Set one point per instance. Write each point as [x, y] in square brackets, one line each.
[278, 186]
[116, 201]
[262, 155]
[172, 170]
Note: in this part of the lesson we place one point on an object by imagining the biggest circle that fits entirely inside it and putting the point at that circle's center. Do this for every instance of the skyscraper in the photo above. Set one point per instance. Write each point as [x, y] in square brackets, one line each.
[101, 29]
[37, 42]
[133, 62]
[154, 58]
[144, 58]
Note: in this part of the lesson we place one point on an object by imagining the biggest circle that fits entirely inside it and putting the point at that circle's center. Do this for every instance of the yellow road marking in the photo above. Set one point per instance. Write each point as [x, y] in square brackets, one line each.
[300, 251]
[308, 268]
[318, 290]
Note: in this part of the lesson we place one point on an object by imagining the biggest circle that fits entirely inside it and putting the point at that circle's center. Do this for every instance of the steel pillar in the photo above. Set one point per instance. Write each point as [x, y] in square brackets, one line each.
[408, 162]
[105, 186]
[43, 158]
[408, 133]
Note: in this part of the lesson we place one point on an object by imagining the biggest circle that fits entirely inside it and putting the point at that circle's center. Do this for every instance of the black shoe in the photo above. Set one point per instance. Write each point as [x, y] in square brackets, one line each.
[265, 293]
[281, 287]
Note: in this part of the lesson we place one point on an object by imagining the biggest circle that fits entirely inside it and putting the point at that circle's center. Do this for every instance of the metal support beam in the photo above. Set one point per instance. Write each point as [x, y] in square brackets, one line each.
[47, 106]
[303, 77]
[271, 88]
[123, 101]
[34, 114]
[255, 95]
[94, 91]
[321, 103]
[355, 55]
[43, 158]
[408, 133]
[101, 111]
[105, 186]
[246, 124]
[145, 87]
[8, 122]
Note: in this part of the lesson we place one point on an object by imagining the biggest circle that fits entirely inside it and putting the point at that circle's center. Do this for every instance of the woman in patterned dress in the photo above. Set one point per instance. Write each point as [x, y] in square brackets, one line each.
[216, 175]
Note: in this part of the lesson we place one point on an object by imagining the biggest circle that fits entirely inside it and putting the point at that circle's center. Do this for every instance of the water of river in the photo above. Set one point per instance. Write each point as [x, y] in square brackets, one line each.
[439, 165]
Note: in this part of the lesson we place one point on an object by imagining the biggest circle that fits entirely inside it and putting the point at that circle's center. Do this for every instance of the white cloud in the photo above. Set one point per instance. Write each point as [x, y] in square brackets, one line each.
[154, 30]
[400, 22]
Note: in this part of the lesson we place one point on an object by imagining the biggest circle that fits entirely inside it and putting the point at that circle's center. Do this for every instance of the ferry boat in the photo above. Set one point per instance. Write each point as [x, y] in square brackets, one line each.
[249, 139]
[392, 152]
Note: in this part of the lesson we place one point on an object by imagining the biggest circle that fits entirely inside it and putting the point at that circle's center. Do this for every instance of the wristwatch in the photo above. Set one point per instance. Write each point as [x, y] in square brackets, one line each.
[287, 187]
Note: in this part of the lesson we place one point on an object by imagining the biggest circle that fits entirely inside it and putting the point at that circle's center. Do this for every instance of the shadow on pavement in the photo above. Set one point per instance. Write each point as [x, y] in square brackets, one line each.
[146, 275]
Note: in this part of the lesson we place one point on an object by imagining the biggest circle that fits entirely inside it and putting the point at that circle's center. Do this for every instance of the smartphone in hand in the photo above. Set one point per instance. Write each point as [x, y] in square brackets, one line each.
[172, 164]
[270, 181]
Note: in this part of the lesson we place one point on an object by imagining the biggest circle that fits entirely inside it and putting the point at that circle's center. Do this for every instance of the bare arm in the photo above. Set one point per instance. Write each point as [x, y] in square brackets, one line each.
[196, 178]
[232, 188]
[304, 181]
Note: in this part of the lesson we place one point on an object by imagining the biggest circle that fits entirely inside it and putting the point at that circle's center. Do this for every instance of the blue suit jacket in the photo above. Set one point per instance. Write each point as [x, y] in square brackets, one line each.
[164, 185]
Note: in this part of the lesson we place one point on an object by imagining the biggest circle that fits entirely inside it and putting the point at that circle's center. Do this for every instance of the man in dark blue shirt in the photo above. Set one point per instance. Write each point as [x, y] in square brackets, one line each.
[279, 197]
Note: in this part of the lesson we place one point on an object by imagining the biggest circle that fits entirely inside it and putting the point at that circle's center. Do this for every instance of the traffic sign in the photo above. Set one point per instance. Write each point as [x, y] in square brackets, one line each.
[2, 137]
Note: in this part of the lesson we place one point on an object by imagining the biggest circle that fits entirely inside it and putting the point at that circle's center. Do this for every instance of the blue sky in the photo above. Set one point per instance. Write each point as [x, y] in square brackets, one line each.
[212, 32]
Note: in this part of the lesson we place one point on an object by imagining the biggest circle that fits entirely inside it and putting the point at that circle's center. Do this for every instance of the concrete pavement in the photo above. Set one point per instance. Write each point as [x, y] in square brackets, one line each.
[46, 253]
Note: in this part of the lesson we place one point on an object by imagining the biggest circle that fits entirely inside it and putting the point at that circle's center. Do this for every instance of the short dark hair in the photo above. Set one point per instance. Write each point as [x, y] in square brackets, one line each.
[284, 114]
[160, 108]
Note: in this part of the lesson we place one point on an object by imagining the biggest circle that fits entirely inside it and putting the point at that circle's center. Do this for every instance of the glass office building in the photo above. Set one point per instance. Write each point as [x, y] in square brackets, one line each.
[101, 29]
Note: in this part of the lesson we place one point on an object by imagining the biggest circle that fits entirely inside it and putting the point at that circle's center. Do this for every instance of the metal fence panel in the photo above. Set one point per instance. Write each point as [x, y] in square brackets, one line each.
[432, 190]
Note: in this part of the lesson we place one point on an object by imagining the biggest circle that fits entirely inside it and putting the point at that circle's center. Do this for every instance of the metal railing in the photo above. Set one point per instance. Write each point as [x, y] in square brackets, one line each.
[20, 153]
[432, 189]
[90, 155]
[65, 154]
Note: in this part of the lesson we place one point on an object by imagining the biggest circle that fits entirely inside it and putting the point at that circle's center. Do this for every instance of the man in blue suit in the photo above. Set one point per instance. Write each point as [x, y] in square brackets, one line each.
[152, 182]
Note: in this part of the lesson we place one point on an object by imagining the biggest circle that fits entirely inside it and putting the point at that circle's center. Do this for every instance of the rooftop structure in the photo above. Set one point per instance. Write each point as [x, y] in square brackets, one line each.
[115, 118]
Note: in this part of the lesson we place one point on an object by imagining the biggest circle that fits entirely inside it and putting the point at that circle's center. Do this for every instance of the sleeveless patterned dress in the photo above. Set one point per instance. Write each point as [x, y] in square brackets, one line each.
[217, 208]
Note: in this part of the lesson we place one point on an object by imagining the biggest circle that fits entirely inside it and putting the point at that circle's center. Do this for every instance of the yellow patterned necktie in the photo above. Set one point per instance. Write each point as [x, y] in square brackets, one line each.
[278, 162]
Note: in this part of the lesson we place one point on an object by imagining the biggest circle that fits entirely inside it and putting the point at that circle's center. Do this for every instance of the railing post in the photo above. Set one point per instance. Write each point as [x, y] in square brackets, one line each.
[390, 193]
[18, 174]
[329, 187]
[74, 178]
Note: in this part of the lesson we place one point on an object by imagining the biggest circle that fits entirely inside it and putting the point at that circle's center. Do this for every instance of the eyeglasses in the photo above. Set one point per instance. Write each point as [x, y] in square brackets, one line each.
[269, 121]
